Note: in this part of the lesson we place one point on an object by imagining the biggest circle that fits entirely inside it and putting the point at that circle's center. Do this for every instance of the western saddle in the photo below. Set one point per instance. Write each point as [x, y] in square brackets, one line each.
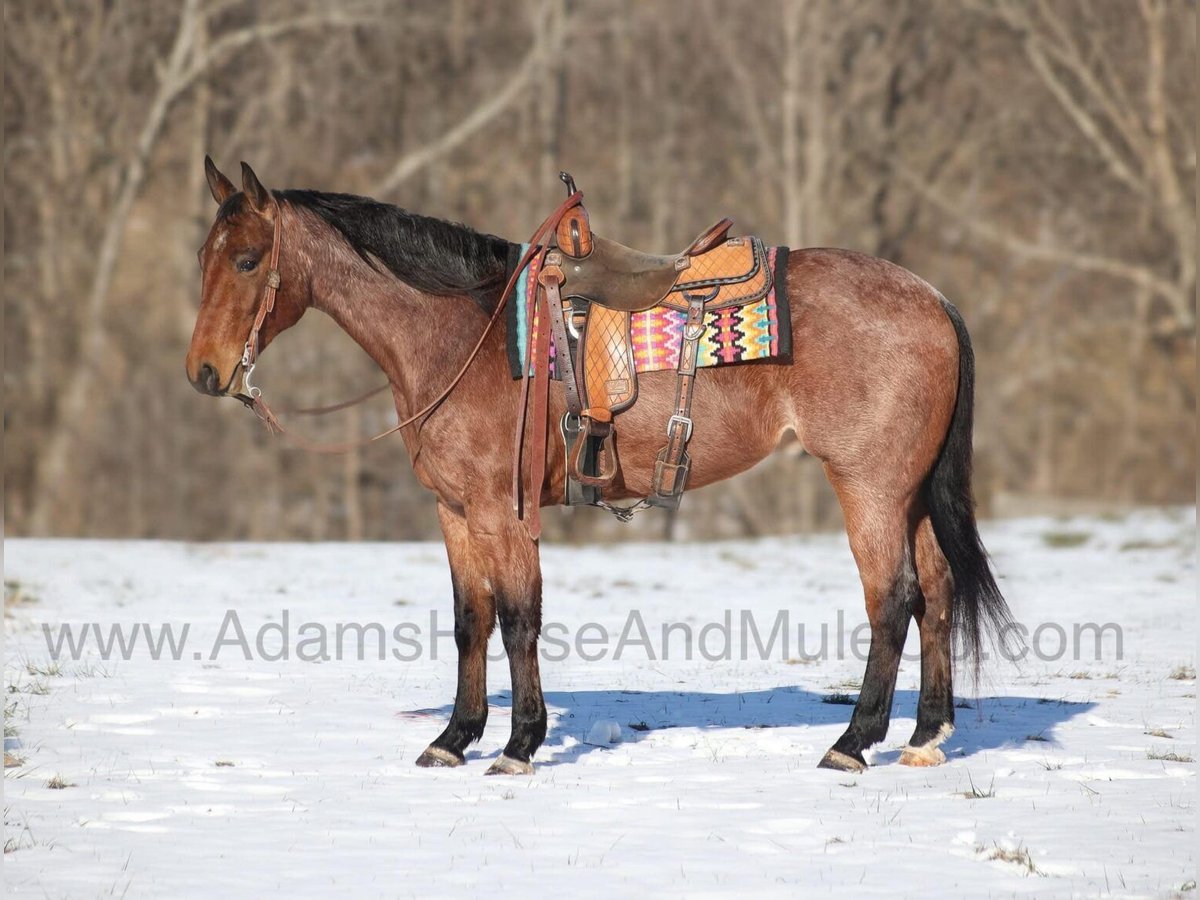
[588, 287]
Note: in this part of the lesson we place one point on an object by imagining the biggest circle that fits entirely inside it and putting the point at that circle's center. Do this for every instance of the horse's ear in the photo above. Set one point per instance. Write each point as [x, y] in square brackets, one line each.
[253, 189]
[222, 188]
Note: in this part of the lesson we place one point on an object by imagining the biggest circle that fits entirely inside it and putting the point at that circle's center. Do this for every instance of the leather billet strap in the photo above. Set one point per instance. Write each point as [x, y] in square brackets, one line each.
[532, 360]
[551, 278]
[550, 323]
[672, 467]
[541, 417]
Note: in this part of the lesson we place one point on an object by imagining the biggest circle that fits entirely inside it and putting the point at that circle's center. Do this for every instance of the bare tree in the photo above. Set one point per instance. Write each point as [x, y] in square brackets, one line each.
[1057, 213]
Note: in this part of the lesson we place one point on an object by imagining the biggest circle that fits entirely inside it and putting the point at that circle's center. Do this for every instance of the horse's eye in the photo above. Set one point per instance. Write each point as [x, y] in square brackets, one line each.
[247, 265]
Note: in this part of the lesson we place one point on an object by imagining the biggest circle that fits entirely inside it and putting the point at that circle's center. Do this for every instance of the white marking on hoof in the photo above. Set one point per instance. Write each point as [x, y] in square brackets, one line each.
[437, 758]
[506, 765]
[922, 756]
[928, 754]
[835, 759]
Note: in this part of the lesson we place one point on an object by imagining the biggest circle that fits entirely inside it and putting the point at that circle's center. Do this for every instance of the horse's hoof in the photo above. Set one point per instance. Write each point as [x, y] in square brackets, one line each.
[842, 762]
[922, 756]
[439, 758]
[506, 765]
[927, 753]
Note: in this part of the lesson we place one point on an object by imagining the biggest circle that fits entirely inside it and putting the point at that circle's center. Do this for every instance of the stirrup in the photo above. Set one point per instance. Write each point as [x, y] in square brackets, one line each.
[606, 457]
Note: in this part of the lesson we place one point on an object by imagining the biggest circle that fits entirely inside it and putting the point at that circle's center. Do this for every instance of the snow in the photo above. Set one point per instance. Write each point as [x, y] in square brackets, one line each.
[669, 777]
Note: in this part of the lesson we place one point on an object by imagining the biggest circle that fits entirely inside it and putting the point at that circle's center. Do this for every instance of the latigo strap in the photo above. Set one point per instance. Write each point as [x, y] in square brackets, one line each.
[673, 464]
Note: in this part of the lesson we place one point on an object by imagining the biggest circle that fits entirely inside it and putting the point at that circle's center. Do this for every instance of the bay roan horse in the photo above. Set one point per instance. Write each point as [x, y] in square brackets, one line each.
[879, 389]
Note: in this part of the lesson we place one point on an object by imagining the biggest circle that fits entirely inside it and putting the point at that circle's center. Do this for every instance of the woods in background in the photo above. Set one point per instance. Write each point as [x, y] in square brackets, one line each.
[1036, 161]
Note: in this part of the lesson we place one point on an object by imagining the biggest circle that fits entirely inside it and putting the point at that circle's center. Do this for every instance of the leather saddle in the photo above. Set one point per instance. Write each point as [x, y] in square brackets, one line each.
[589, 287]
[620, 277]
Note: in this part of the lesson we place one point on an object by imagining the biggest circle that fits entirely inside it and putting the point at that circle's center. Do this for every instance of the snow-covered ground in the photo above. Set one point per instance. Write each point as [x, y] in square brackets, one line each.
[223, 777]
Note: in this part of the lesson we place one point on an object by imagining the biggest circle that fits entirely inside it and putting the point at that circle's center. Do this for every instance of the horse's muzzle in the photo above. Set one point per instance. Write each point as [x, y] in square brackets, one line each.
[207, 381]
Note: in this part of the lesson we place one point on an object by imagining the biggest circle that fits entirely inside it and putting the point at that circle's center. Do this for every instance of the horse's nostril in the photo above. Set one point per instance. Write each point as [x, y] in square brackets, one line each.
[207, 382]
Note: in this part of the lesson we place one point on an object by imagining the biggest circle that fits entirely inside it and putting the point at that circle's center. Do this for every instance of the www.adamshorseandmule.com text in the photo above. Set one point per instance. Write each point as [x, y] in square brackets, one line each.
[740, 635]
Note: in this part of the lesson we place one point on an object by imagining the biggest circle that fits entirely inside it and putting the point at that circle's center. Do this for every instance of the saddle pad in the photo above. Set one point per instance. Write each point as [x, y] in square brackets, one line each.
[758, 330]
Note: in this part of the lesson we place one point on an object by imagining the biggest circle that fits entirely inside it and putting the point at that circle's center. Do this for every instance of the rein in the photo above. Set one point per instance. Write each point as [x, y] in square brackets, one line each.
[252, 396]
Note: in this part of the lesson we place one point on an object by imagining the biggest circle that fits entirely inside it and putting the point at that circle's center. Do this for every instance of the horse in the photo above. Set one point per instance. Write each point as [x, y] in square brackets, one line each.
[879, 388]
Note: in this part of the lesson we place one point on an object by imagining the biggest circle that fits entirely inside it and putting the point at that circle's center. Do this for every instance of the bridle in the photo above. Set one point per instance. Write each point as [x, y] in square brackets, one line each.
[265, 307]
[252, 396]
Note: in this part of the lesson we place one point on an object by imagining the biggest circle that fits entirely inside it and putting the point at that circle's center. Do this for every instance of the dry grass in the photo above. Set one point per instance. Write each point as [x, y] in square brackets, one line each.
[746, 564]
[1144, 544]
[846, 684]
[838, 699]
[16, 595]
[13, 844]
[10, 715]
[976, 793]
[1183, 673]
[1018, 856]
[49, 670]
[58, 783]
[35, 687]
[1062, 540]
[1169, 756]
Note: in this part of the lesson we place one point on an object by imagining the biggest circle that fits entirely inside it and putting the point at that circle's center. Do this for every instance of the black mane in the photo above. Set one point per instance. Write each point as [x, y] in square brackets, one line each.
[429, 254]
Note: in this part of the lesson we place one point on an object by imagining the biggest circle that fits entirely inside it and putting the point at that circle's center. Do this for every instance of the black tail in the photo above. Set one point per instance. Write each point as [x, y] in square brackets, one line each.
[978, 604]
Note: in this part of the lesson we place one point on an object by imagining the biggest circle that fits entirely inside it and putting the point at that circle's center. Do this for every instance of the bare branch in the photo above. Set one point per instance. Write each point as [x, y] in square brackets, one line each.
[734, 57]
[1078, 113]
[222, 48]
[413, 161]
[1140, 275]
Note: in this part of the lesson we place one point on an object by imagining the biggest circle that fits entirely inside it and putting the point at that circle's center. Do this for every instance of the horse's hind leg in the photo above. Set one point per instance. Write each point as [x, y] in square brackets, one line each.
[474, 617]
[880, 534]
[935, 710]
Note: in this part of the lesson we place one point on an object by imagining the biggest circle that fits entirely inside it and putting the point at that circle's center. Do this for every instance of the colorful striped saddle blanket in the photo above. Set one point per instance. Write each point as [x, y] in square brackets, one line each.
[758, 329]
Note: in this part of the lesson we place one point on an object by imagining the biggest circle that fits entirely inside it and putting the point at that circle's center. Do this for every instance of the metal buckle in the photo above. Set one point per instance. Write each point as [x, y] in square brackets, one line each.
[682, 420]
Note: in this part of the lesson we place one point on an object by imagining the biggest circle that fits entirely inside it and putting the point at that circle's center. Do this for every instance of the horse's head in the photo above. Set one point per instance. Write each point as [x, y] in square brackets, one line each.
[234, 265]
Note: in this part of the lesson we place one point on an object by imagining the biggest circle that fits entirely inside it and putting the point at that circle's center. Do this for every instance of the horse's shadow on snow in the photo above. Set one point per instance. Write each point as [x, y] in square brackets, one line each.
[982, 724]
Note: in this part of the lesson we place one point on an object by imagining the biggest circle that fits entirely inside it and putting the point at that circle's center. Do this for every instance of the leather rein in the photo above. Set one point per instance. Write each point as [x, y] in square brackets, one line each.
[252, 396]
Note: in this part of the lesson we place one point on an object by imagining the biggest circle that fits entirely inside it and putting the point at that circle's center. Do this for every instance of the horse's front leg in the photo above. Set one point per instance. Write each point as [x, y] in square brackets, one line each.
[514, 571]
[474, 617]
